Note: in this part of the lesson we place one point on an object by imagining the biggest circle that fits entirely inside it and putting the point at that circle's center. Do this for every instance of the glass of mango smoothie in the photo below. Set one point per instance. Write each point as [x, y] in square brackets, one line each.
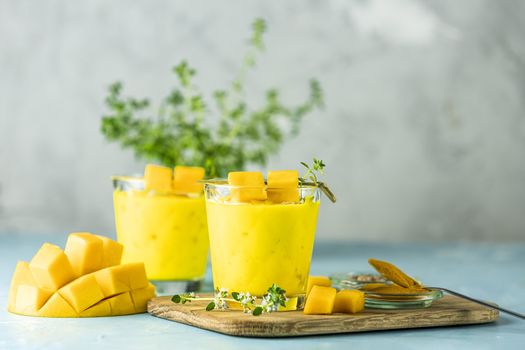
[161, 221]
[262, 234]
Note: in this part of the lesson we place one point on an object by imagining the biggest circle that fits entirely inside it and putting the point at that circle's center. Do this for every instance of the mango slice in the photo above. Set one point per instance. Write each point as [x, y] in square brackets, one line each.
[317, 281]
[349, 301]
[250, 186]
[112, 251]
[51, 267]
[283, 186]
[39, 288]
[185, 179]
[85, 252]
[158, 178]
[320, 301]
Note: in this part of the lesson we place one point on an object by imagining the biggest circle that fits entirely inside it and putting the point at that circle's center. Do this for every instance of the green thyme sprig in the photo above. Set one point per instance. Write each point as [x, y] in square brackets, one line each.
[312, 177]
[270, 301]
[313, 171]
[223, 135]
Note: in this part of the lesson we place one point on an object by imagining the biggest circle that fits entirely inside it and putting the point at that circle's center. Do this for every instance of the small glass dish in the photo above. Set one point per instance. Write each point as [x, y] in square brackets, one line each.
[401, 301]
[375, 300]
[356, 280]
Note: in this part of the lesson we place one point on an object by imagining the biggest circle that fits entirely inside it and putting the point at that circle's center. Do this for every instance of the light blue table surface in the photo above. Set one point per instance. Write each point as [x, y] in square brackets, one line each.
[488, 271]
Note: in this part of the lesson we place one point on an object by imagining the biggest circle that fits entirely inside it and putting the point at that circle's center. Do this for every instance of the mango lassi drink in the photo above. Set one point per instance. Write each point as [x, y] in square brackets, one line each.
[165, 230]
[255, 243]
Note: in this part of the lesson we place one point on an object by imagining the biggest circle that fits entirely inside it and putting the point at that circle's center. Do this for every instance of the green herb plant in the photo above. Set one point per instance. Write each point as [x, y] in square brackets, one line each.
[187, 130]
[270, 301]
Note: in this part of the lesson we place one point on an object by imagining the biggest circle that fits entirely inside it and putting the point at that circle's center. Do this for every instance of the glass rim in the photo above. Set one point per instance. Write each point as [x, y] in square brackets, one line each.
[223, 183]
[136, 177]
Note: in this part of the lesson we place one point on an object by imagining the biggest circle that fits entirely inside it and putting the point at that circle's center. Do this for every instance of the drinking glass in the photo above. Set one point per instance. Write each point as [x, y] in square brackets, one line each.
[166, 231]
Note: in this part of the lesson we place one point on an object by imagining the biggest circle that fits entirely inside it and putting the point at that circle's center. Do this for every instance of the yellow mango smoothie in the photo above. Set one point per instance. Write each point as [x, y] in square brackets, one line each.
[257, 243]
[165, 230]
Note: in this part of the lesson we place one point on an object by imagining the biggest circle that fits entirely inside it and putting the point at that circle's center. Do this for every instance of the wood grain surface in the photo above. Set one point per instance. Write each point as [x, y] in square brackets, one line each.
[448, 311]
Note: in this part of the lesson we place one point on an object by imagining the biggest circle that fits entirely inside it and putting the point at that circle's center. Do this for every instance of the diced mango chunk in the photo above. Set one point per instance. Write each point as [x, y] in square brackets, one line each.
[317, 281]
[141, 296]
[349, 301]
[85, 252]
[121, 304]
[51, 267]
[57, 306]
[320, 301]
[82, 292]
[121, 278]
[158, 178]
[102, 308]
[137, 275]
[22, 275]
[248, 186]
[185, 179]
[30, 298]
[112, 251]
[283, 186]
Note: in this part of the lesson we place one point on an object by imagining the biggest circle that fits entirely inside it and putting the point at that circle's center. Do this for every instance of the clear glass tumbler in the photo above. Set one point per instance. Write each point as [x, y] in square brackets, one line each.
[254, 245]
[167, 232]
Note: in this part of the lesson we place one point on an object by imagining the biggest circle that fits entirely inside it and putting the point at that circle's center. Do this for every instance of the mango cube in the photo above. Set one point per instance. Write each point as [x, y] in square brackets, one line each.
[102, 308]
[85, 252]
[121, 304]
[22, 275]
[158, 178]
[141, 296]
[349, 301]
[317, 281]
[57, 306]
[112, 251]
[283, 186]
[121, 278]
[30, 298]
[82, 292]
[51, 268]
[185, 179]
[249, 185]
[320, 301]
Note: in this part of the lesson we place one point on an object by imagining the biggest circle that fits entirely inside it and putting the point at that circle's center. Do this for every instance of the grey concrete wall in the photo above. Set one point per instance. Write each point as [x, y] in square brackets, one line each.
[423, 130]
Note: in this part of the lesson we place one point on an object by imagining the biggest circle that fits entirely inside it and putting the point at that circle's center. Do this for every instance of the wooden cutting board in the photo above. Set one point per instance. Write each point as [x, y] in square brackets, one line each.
[448, 311]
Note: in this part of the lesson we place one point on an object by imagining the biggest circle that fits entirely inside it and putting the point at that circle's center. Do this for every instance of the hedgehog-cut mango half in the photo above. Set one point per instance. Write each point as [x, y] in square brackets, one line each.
[86, 279]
